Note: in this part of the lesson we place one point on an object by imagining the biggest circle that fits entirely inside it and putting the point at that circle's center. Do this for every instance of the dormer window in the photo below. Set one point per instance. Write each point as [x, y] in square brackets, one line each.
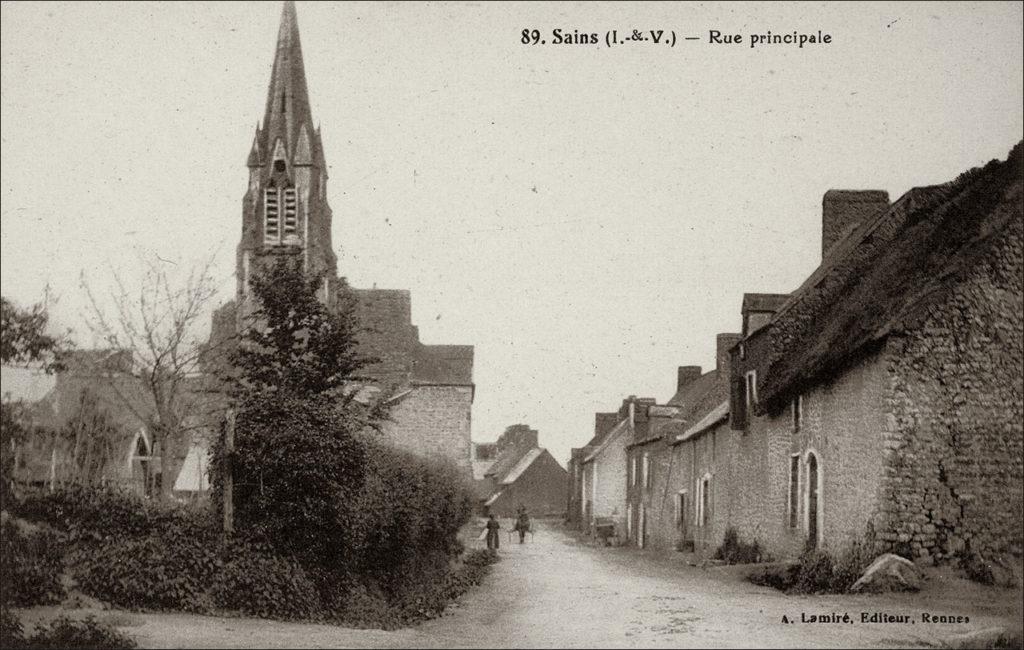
[271, 216]
[279, 166]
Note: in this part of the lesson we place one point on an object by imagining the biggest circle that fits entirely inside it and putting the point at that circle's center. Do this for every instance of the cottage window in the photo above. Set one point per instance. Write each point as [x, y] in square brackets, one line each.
[751, 388]
[794, 489]
[681, 511]
[797, 413]
[647, 471]
[271, 216]
[812, 499]
[704, 501]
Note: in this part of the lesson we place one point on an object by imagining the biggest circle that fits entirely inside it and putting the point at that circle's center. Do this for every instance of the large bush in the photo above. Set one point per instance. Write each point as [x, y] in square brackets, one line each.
[31, 564]
[149, 573]
[255, 581]
[408, 516]
[297, 472]
[95, 513]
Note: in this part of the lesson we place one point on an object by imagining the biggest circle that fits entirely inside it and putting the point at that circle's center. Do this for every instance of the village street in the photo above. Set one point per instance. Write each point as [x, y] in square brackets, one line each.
[556, 592]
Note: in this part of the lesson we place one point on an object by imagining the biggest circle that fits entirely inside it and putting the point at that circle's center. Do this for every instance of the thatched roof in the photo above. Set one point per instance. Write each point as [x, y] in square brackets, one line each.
[886, 273]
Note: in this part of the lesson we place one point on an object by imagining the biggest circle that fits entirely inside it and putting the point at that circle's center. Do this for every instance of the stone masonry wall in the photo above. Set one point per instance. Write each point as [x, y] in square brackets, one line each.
[843, 423]
[954, 458]
[434, 422]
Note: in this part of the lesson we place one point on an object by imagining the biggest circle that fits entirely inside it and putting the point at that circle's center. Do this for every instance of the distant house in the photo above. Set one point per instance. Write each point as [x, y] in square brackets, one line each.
[90, 426]
[671, 486]
[604, 468]
[519, 473]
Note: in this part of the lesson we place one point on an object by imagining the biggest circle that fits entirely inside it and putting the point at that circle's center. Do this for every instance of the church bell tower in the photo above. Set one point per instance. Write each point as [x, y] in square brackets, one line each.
[285, 210]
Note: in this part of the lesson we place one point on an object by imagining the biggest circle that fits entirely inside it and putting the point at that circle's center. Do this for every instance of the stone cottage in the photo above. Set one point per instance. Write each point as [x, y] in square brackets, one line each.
[604, 467]
[884, 396]
[522, 474]
[682, 507]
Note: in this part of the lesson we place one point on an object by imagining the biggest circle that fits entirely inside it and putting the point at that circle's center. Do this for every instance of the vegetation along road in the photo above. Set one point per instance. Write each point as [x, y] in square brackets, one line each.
[555, 591]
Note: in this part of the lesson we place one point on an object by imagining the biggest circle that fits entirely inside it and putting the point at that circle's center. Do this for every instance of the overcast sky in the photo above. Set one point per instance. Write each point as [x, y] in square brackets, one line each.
[587, 217]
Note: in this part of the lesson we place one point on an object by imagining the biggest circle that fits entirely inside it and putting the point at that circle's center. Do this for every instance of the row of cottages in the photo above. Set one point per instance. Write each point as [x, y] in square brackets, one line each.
[883, 400]
[516, 472]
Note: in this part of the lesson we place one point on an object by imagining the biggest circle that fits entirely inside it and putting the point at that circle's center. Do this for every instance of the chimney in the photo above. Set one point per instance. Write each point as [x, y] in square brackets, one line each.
[758, 309]
[603, 423]
[724, 343]
[843, 210]
[686, 375]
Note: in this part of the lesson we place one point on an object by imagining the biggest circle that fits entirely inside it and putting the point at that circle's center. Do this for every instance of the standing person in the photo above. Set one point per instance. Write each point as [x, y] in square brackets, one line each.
[493, 540]
[522, 523]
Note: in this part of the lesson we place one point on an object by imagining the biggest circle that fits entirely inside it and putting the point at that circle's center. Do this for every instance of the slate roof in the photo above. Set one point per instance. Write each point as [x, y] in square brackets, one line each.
[506, 461]
[713, 417]
[887, 272]
[692, 391]
[522, 465]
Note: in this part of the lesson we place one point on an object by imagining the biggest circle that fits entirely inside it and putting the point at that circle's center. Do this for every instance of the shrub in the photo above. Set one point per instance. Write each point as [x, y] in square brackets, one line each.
[817, 571]
[408, 516]
[67, 633]
[92, 513]
[733, 551]
[31, 564]
[776, 576]
[149, 573]
[254, 581]
[12, 635]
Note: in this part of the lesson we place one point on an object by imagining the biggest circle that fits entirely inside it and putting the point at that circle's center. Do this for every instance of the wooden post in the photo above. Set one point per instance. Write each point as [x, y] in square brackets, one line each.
[229, 488]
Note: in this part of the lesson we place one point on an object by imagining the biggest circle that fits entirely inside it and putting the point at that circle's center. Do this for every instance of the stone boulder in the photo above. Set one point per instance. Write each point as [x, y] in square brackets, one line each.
[889, 572]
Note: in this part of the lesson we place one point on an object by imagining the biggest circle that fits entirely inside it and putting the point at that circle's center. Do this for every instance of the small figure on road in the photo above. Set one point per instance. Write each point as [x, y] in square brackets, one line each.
[493, 541]
[522, 523]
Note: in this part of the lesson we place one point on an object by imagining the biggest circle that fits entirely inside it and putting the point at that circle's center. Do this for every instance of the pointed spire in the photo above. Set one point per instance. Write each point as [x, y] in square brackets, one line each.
[287, 106]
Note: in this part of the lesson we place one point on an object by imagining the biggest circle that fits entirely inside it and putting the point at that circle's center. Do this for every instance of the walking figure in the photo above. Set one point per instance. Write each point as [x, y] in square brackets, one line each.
[522, 523]
[493, 541]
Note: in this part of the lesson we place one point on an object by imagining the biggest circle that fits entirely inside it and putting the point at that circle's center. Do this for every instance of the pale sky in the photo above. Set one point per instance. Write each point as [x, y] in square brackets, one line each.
[587, 217]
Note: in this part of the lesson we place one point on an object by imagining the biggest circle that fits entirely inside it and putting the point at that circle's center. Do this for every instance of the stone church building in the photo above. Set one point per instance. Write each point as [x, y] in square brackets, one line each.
[285, 212]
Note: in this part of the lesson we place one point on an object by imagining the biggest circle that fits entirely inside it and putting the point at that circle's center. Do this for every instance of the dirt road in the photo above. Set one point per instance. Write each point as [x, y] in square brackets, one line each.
[555, 592]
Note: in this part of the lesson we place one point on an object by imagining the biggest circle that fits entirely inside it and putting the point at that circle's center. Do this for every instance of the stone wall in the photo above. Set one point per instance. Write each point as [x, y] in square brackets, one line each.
[434, 422]
[954, 455]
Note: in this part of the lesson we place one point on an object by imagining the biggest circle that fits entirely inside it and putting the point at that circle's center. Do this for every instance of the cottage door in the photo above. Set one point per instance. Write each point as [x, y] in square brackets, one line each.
[812, 500]
[643, 526]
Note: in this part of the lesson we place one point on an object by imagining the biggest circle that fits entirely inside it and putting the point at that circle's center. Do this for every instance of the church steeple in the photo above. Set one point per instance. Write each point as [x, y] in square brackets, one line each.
[287, 108]
[285, 210]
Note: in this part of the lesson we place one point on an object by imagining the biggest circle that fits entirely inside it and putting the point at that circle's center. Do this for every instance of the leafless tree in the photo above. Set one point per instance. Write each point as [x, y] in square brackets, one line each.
[157, 322]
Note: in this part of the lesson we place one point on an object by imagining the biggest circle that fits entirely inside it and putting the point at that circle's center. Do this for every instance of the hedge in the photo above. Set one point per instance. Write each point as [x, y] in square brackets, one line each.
[31, 564]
